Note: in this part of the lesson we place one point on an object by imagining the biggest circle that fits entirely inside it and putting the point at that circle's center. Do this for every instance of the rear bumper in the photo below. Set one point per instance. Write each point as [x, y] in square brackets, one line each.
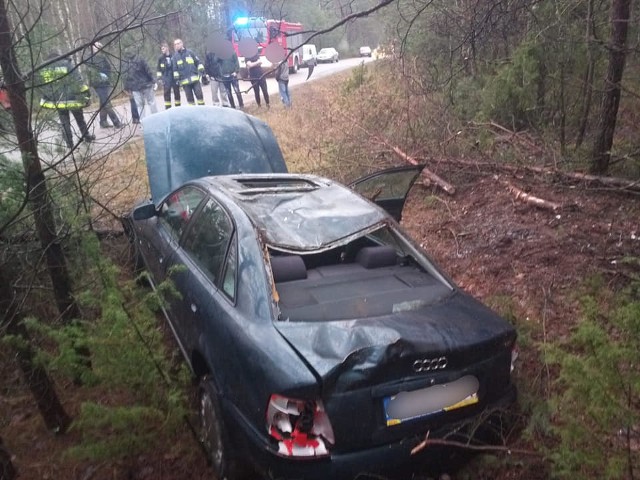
[393, 460]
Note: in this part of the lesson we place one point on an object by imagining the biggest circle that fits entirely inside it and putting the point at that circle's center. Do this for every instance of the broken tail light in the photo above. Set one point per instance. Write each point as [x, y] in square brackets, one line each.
[301, 427]
[511, 344]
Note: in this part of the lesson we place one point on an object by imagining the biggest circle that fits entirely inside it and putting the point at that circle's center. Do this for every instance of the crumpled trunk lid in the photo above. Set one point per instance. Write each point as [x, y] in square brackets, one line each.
[455, 347]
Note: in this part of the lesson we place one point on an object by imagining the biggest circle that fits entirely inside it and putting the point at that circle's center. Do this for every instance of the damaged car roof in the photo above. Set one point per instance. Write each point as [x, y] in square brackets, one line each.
[300, 212]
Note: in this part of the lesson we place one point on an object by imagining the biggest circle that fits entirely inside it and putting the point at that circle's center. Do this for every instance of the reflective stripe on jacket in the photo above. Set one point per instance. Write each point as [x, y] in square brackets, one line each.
[187, 67]
[69, 105]
[62, 87]
[165, 69]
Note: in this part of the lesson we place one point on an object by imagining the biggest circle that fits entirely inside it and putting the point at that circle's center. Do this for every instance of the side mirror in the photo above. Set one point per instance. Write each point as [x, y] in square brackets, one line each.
[144, 212]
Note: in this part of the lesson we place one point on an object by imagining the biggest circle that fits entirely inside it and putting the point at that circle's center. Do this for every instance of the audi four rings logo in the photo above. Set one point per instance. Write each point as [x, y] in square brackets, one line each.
[430, 364]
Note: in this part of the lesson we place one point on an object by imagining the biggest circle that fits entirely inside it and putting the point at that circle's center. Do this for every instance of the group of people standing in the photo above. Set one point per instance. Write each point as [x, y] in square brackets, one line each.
[222, 74]
[185, 69]
[63, 89]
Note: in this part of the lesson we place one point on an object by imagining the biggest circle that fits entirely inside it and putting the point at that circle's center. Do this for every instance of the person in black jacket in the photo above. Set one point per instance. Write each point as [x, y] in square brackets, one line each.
[187, 70]
[64, 91]
[164, 74]
[258, 78]
[212, 67]
[138, 80]
[100, 78]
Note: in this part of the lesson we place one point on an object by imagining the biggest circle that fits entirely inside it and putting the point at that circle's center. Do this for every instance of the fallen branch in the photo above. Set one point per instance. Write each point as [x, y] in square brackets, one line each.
[428, 174]
[520, 137]
[530, 199]
[427, 442]
[614, 182]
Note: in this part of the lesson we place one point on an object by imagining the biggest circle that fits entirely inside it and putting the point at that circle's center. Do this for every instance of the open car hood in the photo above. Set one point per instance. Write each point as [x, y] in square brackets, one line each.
[186, 143]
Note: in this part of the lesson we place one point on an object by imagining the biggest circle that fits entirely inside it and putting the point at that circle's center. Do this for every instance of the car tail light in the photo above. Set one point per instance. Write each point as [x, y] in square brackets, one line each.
[301, 427]
[510, 343]
[514, 356]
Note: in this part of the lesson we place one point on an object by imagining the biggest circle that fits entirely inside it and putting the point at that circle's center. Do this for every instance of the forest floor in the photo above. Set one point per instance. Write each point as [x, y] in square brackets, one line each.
[529, 263]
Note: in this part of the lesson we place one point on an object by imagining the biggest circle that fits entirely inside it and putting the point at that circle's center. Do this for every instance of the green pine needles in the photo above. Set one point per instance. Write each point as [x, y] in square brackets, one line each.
[134, 391]
[596, 410]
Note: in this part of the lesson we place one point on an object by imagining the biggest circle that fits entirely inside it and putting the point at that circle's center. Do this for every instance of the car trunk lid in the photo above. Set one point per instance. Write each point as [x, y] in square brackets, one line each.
[456, 345]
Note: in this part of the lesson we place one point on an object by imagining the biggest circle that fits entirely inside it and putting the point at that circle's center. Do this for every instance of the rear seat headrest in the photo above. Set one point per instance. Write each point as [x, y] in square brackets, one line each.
[287, 268]
[376, 257]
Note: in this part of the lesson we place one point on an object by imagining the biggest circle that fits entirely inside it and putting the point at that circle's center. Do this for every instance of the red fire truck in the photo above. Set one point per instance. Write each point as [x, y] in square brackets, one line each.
[265, 32]
[4, 97]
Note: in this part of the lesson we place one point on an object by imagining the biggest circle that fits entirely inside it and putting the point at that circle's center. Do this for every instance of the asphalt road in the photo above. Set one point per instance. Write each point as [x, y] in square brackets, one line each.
[51, 145]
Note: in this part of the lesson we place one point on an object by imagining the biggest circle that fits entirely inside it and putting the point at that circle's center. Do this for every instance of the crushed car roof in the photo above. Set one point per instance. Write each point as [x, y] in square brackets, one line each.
[300, 212]
[190, 142]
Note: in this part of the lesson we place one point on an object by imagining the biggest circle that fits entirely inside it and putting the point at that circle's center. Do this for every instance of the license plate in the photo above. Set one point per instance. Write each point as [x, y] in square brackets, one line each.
[445, 397]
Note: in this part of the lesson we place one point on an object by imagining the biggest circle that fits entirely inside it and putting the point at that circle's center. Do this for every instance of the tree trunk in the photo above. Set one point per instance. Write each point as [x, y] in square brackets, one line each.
[587, 87]
[36, 187]
[35, 376]
[7, 470]
[563, 109]
[601, 156]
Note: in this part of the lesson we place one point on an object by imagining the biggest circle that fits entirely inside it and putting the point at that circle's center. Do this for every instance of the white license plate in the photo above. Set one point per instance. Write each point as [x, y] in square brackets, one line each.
[440, 398]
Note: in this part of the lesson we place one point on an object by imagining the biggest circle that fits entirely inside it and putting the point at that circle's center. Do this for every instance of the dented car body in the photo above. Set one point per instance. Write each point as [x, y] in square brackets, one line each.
[327, 343]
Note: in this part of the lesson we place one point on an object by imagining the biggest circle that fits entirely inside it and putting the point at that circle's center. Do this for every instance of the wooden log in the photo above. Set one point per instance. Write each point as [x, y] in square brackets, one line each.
[530, 199]
[428, 174]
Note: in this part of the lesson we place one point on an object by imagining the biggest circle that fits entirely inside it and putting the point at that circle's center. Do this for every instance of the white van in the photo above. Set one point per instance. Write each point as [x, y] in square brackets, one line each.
[309, 55]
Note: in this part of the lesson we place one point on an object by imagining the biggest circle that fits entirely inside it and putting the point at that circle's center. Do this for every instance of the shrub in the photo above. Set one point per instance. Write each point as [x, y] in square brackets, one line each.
[596, 412]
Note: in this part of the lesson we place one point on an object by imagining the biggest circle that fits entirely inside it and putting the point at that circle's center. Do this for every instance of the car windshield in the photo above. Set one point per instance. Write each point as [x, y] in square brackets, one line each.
[325, 51]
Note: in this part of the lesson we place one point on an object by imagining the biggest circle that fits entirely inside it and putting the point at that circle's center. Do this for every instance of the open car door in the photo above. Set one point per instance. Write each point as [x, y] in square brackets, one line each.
[389, 188]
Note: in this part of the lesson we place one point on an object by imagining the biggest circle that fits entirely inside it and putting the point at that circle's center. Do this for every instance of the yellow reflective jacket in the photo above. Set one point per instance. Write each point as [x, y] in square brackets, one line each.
[62, 87]
[187, 67]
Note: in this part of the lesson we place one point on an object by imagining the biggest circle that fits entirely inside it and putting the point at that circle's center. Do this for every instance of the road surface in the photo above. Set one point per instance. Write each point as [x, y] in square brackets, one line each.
[51, 146]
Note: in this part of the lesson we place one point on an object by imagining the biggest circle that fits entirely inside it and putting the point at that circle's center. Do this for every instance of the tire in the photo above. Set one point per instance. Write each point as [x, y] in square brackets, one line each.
[296, 65]
[214, 437]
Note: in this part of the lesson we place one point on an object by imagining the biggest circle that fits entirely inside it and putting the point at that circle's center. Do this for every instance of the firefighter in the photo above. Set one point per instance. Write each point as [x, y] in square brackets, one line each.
[187, 70]
[64, 91]
[164, 74]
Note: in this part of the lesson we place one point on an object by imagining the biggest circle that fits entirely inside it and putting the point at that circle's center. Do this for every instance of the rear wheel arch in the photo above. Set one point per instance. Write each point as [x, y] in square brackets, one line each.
[214, 436]
[199, 365]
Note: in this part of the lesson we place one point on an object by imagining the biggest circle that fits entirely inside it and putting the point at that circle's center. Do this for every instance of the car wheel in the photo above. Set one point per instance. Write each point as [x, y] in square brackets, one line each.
[296, 66]
[214, 437]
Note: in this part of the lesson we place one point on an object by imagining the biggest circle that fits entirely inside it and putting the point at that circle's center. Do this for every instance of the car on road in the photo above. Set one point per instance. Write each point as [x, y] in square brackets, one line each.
[328, 55]
[309, 55]
[365, 51]
[326, 343]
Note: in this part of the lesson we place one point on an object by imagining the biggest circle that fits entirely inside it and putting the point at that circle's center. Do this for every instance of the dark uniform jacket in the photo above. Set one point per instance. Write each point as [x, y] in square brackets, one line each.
[164, 70]
[230, 65]
[212, 65]
[137, 75]
[62, 87]
[187, 67]
[255, 71]
[100, 71]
